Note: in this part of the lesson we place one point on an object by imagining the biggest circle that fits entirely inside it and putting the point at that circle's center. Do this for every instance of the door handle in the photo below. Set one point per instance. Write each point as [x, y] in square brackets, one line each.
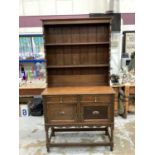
[95, 99]
[61, 100]
[95, 112]
[62, 113]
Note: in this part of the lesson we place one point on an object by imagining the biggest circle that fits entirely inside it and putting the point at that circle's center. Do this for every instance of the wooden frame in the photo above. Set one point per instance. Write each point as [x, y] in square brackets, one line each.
[128, 42]
[50, 134]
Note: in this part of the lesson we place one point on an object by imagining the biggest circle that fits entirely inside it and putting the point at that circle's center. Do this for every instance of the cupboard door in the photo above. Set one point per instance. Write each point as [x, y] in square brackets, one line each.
[64, 113]
[96, 112]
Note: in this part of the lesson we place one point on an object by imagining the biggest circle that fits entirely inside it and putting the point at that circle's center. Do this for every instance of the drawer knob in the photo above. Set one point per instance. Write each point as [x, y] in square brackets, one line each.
[61, 100]
[95, 99]
[62, 113]
[95, 112]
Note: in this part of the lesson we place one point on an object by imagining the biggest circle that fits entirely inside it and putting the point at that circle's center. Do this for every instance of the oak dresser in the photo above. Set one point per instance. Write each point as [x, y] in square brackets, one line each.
[78, 65]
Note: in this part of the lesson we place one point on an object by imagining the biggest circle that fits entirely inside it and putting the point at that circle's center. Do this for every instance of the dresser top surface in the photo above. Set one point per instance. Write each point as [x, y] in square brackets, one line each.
[77, 20]
[78, 90]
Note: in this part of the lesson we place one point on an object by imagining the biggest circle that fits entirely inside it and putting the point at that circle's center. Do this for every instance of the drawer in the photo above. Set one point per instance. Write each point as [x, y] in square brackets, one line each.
[61, 112]
[95, 112]
[96, 98]
[61, 99]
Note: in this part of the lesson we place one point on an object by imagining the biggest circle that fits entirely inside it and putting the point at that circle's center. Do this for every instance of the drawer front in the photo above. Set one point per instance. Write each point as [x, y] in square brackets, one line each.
[61, 99]
[96, 98]
[62, 112]
[97, 112]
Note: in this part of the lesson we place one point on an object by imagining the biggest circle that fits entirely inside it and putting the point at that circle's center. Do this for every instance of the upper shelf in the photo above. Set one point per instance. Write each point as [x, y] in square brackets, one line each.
[80, 43]
[32, 61]
[78, 66]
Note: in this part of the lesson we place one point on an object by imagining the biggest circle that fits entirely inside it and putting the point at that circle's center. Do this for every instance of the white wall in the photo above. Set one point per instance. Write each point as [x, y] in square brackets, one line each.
[57, 7]
[116, 48]
[128, 27]
[127, 6]
[60, 7]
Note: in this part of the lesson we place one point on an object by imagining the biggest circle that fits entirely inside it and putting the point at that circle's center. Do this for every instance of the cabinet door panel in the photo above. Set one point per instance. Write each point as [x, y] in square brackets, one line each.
[66, 113]
[96, 112]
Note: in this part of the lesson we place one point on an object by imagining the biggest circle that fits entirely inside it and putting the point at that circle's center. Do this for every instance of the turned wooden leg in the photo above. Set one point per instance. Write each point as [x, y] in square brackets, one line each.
[52, 130]
[47, 138]
[125, 108]
[106, 130]
[48, 149]
[126, 101]
[112, 142]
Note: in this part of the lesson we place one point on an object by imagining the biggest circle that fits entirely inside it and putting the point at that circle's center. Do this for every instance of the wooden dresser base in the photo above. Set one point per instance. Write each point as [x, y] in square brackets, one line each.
[79, 106]
[50, 132]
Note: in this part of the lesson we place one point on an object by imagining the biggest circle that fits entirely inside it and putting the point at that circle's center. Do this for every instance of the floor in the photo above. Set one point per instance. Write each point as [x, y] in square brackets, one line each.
[32, 139]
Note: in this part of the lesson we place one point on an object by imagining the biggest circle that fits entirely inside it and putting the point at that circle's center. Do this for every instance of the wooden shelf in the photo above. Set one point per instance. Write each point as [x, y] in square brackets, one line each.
[72, 44]
[77, 55]
[32, 61]
[78, 66]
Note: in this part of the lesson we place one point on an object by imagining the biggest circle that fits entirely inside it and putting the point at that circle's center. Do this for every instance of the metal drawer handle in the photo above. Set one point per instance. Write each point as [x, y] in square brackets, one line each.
[95, 99]
[62, 113]
[61, 100]
[95, 112]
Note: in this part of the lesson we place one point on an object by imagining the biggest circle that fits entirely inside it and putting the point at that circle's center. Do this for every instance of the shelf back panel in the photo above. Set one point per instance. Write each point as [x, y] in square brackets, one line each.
[76, 33]
[77, 51]
[78, 76]
[78, 80]
[78, 71]
[76, 55]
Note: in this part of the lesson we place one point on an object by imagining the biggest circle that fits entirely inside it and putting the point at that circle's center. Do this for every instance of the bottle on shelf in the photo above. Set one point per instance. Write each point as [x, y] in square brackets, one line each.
[23, 73]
